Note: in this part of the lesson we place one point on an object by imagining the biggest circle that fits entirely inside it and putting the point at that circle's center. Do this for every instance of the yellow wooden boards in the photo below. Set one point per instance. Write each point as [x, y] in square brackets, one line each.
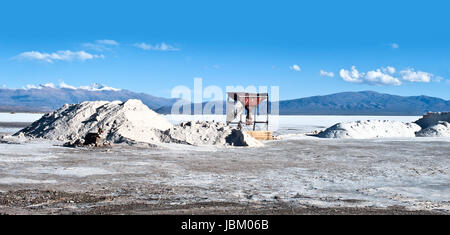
[261, 135]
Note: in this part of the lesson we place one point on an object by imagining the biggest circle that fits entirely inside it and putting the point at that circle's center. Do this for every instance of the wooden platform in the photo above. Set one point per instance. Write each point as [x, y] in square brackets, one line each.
[261, 135]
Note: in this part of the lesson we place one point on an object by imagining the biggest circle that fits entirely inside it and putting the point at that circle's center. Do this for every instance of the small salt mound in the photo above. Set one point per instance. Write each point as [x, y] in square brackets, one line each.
[370, 129]
[121, 121]
[441, 129]
[208, 133]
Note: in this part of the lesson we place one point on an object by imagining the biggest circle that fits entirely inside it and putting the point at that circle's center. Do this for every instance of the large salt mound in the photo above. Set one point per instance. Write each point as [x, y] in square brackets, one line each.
[131, 122]
[121, 121]
[370, 129]
[208, 133]
[441, 129]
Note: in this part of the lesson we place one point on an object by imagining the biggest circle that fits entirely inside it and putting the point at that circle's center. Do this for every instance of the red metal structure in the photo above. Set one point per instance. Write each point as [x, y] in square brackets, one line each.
[251, 102]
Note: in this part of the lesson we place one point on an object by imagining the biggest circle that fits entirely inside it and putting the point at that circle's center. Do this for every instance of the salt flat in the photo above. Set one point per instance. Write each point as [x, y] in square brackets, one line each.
[280, 124]
[298, 171]
[295, 123]
[19, 117]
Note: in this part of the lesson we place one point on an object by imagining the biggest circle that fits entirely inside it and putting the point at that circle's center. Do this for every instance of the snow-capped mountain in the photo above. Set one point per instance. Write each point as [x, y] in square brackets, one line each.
[98, 87]
[47, 97]
[92, 87]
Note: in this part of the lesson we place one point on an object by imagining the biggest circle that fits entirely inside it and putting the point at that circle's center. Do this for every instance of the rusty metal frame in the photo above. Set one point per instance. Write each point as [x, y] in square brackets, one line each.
[255, 114]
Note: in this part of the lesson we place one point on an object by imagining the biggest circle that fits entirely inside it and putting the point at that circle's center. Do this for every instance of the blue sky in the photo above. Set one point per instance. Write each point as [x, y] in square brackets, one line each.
[400, 47]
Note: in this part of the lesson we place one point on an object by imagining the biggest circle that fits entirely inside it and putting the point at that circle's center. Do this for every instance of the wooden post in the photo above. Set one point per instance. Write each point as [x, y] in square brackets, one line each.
[267, 113]
[256, 111]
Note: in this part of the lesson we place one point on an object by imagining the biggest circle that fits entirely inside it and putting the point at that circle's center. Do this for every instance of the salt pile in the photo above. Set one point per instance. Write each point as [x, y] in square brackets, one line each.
[441, 129]
[431, 119]
[9, 139]
[371, 129]
[434, 125]
[208, 133]
[130, 122]
[430, 125]
[121, 121]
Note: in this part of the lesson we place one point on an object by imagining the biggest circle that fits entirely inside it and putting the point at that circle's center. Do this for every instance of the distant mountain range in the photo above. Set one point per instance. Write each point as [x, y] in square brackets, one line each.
[364, 103]
[46, 98]
[356, 103]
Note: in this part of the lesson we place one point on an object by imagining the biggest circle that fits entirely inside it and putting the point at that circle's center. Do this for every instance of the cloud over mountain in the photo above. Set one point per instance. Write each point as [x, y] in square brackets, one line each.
[385, 76]
[415, 76]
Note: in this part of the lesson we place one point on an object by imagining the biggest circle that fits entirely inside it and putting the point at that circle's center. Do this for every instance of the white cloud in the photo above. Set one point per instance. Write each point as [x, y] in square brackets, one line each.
[108, 42]
[157, 47]
[394, 45]
[95, 47]
[380, 78]
[143, 46]
[412, 76]
[326, 74]
[375, 77]
[387, 76]
[388, 69]
[101, 45]
[353, 76]
[295, 67]
[66, 55]
[164, 47]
